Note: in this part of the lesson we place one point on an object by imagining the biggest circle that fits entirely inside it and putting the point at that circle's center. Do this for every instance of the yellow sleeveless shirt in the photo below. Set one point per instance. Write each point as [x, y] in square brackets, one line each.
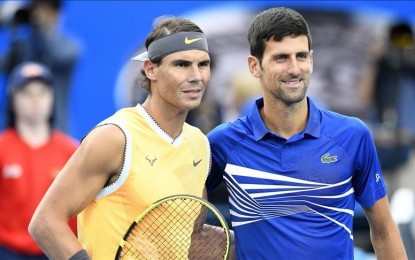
[155, 166]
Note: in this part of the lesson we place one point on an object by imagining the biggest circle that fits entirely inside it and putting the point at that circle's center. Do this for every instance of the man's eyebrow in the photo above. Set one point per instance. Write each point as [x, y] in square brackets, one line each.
[188, 61]
[181, 60]
[280, 54]
[284, 54]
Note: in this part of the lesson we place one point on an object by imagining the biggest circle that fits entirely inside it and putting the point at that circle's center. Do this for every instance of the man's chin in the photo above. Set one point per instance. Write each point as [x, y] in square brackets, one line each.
[193, 105]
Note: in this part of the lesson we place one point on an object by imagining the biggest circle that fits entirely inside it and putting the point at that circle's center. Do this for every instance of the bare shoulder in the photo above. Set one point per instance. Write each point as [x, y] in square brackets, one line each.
[104, 146]
[108, 133]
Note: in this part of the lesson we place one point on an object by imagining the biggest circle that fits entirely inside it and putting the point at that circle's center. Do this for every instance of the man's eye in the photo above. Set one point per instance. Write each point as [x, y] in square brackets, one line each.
[204, 64]
[181, 64]
[280, 58]
[302, 56]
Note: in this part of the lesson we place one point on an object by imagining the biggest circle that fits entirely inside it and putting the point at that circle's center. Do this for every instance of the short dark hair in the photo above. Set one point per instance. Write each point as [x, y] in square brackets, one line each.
[166, 26]
[54, 4]
[275, 23]
[401, 35]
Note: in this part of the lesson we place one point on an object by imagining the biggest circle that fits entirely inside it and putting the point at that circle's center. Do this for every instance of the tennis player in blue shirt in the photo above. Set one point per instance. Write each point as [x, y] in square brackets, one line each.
[294, 171]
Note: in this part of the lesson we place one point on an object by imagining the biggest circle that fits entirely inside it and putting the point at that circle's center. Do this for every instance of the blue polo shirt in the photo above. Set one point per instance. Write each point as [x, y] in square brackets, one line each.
[295, 198]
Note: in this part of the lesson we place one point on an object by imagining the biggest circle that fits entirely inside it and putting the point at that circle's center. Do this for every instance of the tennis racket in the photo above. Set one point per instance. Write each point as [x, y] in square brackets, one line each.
[177, 227]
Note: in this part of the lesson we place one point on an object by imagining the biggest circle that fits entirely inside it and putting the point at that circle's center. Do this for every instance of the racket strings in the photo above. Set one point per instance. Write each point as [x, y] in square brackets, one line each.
[177, 229]
[210, 241]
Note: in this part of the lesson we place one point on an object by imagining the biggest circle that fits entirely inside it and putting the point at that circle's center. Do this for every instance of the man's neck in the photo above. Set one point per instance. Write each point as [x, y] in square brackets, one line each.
[34, 135]
[283, 120]
[168, 120]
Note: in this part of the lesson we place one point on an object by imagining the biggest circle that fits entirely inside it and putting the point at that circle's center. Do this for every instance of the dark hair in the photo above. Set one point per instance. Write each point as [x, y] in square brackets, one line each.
[54, 4]
[11, 115]
[401, 35]
[166, 26]
[275, 23]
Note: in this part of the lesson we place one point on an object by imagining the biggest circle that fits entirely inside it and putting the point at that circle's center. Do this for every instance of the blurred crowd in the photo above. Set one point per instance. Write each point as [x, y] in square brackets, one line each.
[38, 64]
[362, 68]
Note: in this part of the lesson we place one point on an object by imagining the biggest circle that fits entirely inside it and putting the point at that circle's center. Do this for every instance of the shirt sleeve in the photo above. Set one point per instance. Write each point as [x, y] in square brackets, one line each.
[218, 160]
[368, 179]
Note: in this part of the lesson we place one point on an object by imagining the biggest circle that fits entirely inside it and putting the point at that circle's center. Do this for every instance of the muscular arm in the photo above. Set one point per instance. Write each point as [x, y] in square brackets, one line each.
[98, 158]
[384, 233]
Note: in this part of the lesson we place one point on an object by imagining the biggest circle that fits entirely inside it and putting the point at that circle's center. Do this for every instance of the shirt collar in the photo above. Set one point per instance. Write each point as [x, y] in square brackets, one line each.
[259, 128]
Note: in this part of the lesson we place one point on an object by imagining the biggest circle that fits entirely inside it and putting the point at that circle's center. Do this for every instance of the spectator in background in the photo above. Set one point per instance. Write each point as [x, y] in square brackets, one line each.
[395, 85]
[394, 96]
[31, 154]
[44, 44]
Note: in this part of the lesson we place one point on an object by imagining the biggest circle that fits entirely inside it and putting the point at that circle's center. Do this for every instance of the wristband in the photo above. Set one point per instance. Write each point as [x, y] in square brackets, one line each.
[80, 255]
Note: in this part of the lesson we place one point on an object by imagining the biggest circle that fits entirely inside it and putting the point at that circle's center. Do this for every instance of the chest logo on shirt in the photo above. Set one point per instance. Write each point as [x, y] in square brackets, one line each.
[196, 163]
[151, 159]
[326, 158]
[12, 171]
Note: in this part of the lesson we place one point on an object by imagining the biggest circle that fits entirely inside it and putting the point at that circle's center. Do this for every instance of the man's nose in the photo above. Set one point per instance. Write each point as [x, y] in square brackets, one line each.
[195, 74]
[294, 68]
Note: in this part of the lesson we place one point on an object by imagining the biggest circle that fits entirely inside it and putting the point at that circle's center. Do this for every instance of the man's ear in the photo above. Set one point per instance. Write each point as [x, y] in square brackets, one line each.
[254, 66]
[311, 60]
[150, 69]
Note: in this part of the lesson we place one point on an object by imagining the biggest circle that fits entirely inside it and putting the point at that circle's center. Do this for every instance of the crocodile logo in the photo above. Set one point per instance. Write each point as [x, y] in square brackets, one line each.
[326, 158]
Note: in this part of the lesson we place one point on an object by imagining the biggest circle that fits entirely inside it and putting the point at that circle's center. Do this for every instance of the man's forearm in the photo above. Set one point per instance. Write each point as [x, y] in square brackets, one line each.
[389, 247]
[57, 240]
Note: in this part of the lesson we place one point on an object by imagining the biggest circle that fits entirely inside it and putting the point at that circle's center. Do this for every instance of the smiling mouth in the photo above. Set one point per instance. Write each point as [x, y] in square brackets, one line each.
[292, 82]
[192, 91]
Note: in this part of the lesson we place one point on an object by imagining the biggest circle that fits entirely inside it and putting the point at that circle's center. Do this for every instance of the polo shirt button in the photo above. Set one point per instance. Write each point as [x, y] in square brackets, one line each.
[287, 146]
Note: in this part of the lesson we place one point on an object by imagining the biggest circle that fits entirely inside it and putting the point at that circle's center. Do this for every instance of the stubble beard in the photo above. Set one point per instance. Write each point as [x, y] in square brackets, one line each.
[290, 99]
